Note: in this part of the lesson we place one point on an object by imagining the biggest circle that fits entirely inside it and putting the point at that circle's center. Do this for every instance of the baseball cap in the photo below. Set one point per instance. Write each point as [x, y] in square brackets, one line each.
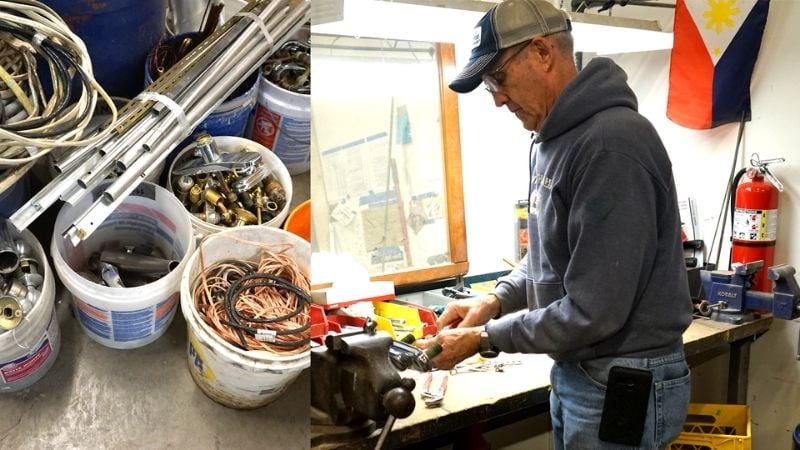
[505, 25]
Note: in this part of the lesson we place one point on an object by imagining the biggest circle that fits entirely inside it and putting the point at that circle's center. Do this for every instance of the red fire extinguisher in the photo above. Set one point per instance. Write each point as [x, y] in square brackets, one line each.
[755, 218]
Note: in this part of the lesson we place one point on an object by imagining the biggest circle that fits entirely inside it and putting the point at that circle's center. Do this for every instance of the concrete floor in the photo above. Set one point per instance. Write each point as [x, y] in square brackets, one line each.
[96, 397]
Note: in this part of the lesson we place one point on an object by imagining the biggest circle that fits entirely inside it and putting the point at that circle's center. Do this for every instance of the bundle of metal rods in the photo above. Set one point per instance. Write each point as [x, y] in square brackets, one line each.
[159, 118]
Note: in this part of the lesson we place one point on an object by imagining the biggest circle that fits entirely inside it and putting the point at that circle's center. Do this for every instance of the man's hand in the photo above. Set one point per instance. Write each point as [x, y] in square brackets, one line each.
[457, 344]
[469, 312]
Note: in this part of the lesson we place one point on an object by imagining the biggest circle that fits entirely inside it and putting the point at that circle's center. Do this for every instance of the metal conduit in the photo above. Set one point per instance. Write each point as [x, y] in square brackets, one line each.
[147, 130]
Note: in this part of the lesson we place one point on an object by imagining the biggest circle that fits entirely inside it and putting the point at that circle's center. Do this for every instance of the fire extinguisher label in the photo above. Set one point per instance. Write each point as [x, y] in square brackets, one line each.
[755, 224]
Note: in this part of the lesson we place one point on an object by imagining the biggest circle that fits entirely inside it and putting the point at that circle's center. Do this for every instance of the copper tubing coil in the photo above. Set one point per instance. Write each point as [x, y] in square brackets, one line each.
[209, 291]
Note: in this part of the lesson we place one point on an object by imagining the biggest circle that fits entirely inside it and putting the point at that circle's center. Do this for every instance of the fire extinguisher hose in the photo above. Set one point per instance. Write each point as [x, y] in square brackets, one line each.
[734, 185]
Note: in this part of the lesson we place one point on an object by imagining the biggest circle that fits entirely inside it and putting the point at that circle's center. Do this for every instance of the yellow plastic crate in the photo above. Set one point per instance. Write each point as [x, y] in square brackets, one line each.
[385, 311]
[715, 427]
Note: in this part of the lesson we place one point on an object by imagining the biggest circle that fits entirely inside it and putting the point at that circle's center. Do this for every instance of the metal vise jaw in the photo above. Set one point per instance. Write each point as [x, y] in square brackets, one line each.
[354, 381]
[732, 301]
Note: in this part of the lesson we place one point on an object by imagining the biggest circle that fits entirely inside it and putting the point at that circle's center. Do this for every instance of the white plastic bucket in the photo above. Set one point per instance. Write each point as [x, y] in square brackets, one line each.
[28, 351]
[132, 317]
[227, 374]
[233, 144]
[283, 124]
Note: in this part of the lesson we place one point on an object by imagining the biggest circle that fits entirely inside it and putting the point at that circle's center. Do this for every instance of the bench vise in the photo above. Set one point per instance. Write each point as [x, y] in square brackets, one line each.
[729, 298]
[355, 388]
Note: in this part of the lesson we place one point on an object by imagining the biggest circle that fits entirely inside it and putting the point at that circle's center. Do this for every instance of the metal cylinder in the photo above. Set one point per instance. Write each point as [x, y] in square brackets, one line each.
[9, 257]
[206, 148]
[142, 264]
[194, 194]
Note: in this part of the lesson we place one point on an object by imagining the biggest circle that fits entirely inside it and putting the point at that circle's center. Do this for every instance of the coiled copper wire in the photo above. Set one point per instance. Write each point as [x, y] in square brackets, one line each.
[264, 302]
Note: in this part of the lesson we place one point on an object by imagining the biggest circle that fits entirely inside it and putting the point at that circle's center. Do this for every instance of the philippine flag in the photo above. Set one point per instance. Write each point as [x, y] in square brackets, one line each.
[715, 47]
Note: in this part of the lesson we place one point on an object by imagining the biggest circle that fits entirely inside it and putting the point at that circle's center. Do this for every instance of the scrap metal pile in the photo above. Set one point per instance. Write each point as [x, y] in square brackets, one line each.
[162, 116]
[20, 278]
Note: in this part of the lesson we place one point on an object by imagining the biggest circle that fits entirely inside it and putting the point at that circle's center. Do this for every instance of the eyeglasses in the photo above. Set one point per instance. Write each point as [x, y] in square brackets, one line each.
[494, 80]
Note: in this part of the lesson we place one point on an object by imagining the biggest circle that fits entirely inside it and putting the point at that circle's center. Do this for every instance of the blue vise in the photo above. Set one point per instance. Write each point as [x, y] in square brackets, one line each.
[729, 292]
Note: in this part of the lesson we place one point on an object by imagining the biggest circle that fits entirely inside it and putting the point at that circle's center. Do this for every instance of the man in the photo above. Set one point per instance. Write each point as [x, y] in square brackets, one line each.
[603, 283]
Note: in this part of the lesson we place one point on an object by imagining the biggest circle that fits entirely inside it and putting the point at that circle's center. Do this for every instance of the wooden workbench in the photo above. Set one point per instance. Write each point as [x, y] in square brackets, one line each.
[523, 390]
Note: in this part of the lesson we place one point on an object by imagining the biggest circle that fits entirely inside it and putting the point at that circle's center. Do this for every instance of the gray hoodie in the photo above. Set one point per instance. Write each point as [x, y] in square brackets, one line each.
[604, 274]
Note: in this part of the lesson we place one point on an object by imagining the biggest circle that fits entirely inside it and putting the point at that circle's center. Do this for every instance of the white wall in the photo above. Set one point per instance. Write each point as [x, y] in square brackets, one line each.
[494, 153]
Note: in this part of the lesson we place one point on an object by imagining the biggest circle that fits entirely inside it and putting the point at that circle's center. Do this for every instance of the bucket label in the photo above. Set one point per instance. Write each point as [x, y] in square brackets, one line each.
[755, 224]
[126, 326]
[288, 137]
[197, 359]
[95, 320]
[28, 364]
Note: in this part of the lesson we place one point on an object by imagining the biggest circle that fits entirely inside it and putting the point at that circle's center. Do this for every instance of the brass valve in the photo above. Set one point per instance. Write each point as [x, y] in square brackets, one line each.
[214, 198]
[225, 188]
[275, 191]
[194, 194]
[212, 217]
[259, 203]
[244, 217]
[228, 217]
[10, 313]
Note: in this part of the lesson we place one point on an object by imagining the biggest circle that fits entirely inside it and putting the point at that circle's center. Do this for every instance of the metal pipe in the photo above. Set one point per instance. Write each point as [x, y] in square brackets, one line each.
[142, 264]
[9, 257]
[101, 169]
[46, 197]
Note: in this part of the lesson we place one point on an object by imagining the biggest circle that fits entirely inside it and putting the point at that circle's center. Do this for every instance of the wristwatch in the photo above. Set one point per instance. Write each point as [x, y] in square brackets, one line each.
[486, 349]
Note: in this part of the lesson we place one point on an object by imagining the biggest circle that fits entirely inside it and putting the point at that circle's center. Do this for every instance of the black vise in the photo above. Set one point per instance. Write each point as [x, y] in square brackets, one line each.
[353, 380]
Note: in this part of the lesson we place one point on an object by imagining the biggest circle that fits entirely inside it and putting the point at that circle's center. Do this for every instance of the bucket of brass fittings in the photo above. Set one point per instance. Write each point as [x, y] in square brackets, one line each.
[124, 278]
[29, 334]
[245, 297]
[229, 181]
[231, 116]
[282, 120]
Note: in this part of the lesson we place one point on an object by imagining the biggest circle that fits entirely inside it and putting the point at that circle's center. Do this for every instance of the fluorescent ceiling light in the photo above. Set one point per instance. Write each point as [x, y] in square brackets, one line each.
[453, 20]
[396, 20]
[603, 34]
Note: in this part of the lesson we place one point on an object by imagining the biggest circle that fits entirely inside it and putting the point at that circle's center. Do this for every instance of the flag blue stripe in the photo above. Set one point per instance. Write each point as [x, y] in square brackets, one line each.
[732, 73]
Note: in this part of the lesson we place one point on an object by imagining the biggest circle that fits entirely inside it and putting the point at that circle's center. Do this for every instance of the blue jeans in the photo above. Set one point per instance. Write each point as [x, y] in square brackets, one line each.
[579, 389]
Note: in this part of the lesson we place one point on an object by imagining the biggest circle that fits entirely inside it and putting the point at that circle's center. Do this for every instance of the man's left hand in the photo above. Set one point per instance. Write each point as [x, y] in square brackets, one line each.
[457, 344]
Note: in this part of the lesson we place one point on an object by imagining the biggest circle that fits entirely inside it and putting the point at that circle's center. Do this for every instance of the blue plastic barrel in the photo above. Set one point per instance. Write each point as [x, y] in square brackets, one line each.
[797, 438]
[14, 190]
[229, 118]
[118, 35]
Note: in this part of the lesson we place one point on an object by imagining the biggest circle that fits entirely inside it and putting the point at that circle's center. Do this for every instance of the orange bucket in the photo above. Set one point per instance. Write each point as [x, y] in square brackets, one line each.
[299, 221]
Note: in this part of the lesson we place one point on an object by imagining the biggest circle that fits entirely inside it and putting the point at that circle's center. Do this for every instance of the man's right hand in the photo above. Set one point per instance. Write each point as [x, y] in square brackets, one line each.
[469, 312]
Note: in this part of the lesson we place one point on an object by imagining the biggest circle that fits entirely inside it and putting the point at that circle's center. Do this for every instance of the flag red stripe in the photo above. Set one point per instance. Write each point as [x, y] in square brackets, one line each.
[691, 74]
